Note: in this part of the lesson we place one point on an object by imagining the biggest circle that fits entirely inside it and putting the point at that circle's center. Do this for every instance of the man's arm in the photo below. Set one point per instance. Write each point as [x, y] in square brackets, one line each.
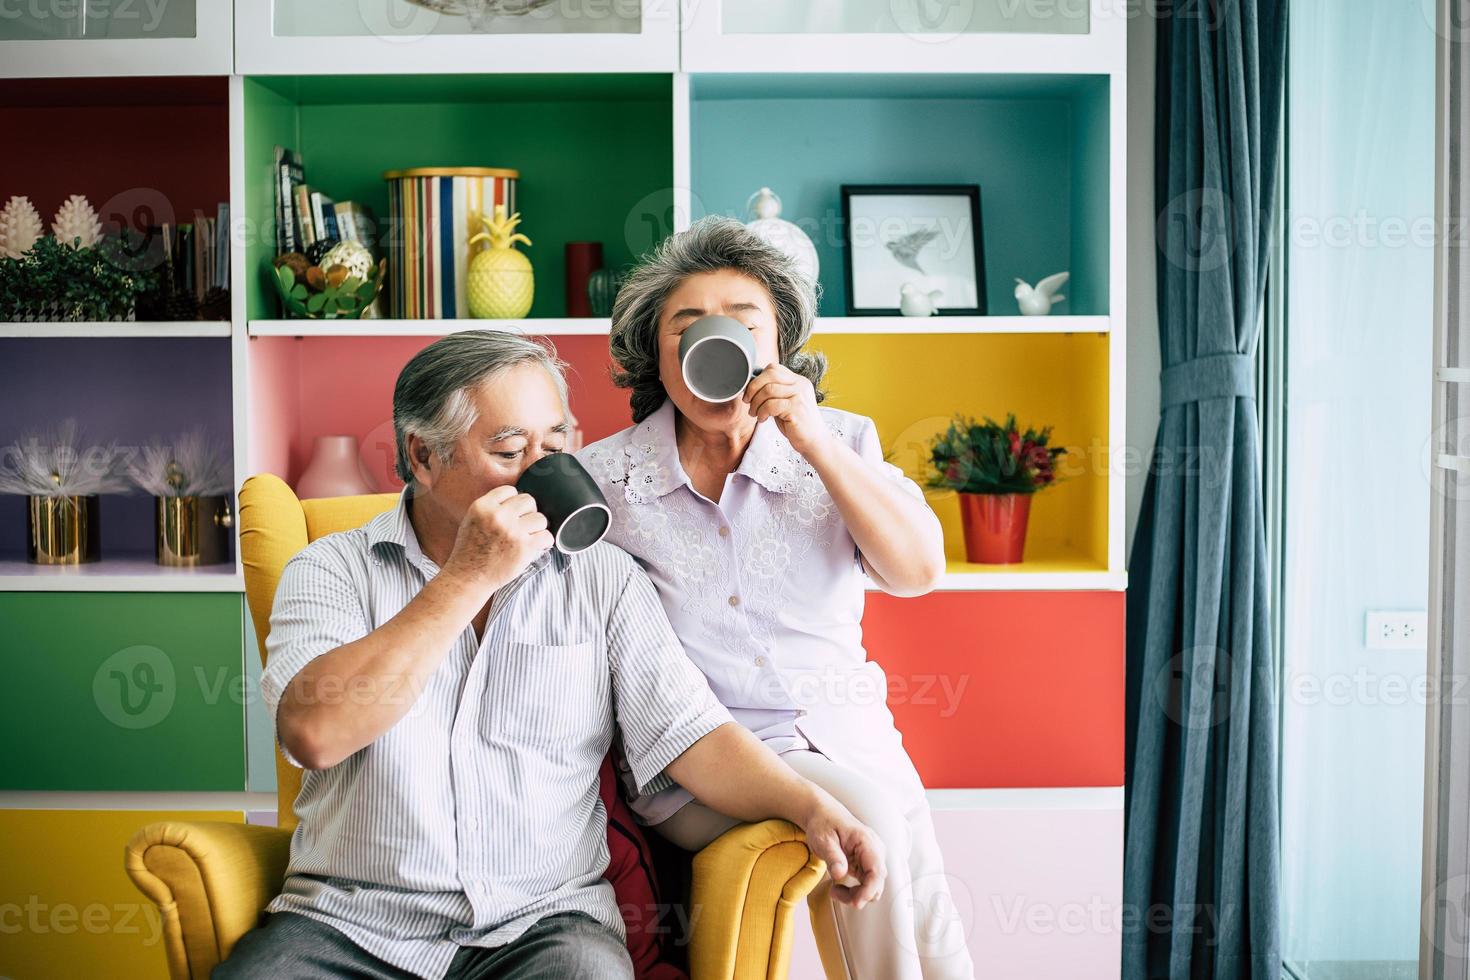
[670, 719]
[345, 698]
[732, 771]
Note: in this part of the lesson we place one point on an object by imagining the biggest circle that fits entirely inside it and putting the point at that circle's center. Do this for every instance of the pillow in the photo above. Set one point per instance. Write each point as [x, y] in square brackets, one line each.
[630, 871]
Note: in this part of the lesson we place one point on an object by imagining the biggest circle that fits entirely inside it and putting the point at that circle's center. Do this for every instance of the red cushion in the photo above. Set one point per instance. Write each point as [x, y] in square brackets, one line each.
[630, 870]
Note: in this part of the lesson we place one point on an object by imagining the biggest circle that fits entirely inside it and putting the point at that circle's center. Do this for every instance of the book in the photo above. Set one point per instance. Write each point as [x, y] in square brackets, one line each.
[324, 216]
[357, 223]
[346, 224]
[289, 176]
[199, 259]
[304, 223]
[222, 246]
[184, 259]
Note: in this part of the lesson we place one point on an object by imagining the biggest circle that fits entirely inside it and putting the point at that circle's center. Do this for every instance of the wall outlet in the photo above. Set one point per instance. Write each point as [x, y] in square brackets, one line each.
[1396, 630]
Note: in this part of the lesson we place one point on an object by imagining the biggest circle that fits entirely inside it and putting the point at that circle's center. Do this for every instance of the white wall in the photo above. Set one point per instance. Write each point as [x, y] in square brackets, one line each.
[1143, 319]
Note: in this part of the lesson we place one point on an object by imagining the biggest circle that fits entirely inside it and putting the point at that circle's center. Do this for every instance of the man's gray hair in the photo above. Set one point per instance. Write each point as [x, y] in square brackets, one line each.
[434, 396]
[711, 244]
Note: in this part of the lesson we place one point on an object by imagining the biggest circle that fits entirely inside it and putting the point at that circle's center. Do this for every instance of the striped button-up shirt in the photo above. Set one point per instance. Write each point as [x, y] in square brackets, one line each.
[478, 812]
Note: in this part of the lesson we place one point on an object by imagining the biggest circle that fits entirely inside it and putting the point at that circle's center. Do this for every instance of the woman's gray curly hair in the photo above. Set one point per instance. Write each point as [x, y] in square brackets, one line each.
[711, 244]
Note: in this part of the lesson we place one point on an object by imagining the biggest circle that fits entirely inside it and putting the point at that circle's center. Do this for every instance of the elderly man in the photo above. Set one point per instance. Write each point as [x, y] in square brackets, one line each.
[452, 683]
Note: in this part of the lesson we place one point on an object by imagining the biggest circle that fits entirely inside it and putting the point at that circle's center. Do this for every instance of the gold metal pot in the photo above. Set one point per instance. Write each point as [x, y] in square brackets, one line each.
[62, 530]
[193, 530]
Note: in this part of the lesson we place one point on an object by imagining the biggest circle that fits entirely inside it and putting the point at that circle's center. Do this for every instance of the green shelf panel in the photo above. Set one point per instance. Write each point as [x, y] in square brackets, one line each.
[594, 152]
[122, 691]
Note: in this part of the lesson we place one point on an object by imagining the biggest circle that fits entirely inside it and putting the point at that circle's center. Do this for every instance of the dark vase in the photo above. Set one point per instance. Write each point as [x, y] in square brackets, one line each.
[583, 259]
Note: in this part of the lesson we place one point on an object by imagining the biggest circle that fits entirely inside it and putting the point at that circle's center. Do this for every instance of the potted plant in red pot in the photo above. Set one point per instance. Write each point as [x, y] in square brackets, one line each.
[995, 469]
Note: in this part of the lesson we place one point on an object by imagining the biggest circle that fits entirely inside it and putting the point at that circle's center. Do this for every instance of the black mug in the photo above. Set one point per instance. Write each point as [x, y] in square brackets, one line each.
[576, 512]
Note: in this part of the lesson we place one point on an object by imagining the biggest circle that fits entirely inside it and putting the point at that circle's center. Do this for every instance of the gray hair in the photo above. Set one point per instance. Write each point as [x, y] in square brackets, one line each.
[711, 244]
[434, 396]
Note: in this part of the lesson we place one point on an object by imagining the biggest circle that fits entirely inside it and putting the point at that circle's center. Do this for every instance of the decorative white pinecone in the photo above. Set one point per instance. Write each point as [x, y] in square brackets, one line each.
[76, 223]
[20, 227]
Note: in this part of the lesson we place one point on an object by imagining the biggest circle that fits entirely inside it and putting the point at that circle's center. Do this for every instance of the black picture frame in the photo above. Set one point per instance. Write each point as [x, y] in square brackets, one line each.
[865, 253]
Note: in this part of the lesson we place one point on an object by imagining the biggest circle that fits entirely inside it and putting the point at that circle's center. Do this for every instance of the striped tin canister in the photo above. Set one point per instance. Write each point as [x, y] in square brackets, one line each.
[434, 212]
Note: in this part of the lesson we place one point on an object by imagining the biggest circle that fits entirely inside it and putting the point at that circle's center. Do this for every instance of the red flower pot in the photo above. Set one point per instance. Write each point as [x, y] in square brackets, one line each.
[995, 526]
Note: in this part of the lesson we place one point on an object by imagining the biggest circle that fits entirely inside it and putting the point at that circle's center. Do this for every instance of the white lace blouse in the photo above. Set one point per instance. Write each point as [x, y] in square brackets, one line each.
[765, 589]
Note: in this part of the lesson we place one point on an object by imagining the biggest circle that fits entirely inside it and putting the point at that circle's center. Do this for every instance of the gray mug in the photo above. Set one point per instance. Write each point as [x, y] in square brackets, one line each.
[717, 358]
[576, 511]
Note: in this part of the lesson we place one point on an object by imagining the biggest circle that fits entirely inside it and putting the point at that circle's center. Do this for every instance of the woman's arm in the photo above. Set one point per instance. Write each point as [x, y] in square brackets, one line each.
[898, 535]
[732, 771]
[900, 539]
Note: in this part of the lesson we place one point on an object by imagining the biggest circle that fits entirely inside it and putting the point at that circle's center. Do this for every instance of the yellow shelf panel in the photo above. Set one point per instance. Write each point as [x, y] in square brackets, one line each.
[78, 912]
[913, 386]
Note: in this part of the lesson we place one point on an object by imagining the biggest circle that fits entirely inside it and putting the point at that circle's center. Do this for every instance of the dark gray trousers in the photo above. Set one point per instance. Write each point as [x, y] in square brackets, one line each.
[558, 947]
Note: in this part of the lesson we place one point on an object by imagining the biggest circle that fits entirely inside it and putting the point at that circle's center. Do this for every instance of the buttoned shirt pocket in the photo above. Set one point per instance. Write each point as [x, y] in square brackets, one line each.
[547, 694]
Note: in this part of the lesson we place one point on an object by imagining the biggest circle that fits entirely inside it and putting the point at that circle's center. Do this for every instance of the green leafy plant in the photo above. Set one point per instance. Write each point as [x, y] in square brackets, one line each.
[344, 299]
[61, 281]
[988, 457]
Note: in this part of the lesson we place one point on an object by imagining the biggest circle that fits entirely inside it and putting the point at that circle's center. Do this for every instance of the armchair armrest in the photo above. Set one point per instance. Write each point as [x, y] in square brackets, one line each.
[746, 884]
[210, 881]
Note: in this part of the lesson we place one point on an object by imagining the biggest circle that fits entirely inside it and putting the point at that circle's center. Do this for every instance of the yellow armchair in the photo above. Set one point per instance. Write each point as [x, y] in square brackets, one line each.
[212, 880]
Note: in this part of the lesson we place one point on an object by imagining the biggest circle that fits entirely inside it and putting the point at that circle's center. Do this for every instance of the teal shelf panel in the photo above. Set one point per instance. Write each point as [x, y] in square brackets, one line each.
[1038, 147]
[122, 691]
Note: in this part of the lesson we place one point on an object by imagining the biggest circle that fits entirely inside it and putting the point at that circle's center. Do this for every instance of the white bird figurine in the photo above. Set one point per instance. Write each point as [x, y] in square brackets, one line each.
[1038, 300]
[912, 301]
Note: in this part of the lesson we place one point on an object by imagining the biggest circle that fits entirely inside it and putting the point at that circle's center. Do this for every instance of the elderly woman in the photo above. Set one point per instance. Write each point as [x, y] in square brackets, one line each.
[760, 520]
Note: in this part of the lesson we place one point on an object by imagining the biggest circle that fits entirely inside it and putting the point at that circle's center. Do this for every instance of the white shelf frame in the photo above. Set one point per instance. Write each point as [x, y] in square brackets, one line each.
[161, 800]
[545, 326]
[131, 573]
[1027, 798]
[901, 325]
[260, 51]
[119, 328]
[1103, 50]
[1020, 581]
[599, 326]
[209, 52]
[985, 798]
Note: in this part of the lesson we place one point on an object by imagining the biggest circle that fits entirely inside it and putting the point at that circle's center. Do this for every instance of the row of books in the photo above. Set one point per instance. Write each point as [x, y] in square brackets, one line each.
[199, 254]
[193, 259]
[306, 216]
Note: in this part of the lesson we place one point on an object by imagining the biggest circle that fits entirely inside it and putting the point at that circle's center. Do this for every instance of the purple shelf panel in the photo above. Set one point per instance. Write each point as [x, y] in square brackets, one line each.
[123, 389]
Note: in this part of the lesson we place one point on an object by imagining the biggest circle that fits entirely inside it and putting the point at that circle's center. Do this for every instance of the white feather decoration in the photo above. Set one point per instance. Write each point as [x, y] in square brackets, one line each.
[192, 466]
[56, 464]
[20, 227]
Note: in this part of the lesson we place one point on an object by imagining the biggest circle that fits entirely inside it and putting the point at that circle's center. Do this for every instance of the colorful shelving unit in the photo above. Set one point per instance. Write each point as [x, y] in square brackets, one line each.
[1007, 682]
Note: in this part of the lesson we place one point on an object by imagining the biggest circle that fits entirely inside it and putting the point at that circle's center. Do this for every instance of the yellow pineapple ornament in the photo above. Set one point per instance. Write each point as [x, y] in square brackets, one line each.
[499, 283]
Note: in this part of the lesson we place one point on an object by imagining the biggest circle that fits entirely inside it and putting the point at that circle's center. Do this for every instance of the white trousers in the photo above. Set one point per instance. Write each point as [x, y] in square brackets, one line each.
[913, 931]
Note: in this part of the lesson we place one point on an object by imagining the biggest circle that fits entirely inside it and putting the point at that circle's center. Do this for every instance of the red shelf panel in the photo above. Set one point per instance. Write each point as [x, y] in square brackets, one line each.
[999, 689]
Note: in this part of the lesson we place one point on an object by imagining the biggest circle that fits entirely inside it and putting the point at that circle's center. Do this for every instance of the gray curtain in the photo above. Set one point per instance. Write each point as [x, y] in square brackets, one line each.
[1201, 874]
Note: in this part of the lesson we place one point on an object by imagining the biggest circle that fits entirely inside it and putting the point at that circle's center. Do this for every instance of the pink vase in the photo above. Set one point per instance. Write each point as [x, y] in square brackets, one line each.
[995, 526]
[335, 470]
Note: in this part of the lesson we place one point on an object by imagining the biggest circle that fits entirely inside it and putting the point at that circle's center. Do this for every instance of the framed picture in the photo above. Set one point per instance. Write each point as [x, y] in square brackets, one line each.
[924, 236]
